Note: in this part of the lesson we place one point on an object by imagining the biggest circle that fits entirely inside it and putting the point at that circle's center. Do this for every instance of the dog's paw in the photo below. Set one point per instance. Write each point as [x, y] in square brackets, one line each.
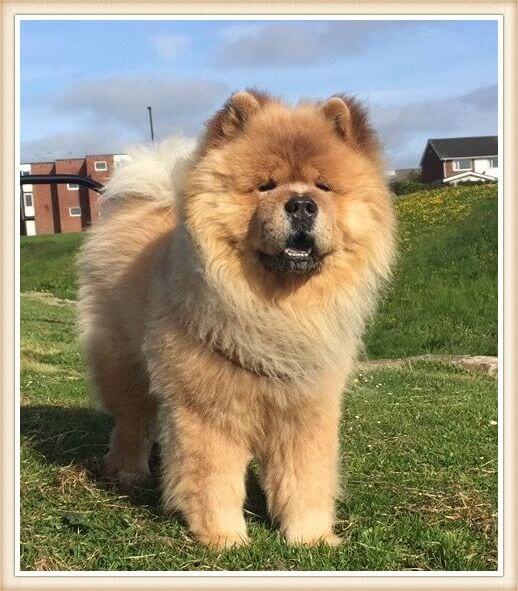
[222, 541]
[125, 478]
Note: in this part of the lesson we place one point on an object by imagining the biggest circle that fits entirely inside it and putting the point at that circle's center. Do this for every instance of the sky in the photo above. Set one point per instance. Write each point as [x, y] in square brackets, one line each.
[85, 84]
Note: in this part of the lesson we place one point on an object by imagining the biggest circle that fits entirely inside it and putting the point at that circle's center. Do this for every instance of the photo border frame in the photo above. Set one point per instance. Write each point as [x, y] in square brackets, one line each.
[506, 577]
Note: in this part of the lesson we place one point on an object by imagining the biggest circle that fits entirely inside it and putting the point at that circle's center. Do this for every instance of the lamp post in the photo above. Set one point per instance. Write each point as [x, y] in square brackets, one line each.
[151, 125]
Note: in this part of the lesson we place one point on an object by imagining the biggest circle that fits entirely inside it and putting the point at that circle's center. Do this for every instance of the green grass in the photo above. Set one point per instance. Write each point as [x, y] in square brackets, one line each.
[444, 295]
[47, 263]
[419, 445]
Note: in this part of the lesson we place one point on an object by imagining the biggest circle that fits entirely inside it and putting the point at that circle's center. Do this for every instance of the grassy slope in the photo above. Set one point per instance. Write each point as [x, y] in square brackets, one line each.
[444, 295]
[419, 446]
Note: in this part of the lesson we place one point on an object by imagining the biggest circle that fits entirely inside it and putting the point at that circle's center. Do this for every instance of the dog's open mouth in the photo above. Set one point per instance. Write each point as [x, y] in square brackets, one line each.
[299, 257]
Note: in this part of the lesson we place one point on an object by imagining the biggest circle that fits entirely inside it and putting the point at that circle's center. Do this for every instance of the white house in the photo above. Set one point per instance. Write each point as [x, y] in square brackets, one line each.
[460, 159]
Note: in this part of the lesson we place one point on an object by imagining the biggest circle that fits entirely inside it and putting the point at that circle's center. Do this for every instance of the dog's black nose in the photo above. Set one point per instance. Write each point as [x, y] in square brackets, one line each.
[301, 208]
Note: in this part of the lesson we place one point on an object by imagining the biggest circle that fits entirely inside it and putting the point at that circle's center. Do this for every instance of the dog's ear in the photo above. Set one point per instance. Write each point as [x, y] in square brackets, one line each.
[351, 122]
[233, 117]
[336, 110]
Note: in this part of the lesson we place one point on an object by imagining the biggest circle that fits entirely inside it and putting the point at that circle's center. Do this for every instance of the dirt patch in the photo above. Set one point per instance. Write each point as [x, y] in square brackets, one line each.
[480, 363]
[458, 506]
[39, 367]
[47, 298]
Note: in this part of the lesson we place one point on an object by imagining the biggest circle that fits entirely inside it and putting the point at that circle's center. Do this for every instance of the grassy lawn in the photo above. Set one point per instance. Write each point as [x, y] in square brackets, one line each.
[48, 264]
[419, 445]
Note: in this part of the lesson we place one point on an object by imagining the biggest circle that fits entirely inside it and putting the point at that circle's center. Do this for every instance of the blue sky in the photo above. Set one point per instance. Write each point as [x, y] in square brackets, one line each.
[85, 85]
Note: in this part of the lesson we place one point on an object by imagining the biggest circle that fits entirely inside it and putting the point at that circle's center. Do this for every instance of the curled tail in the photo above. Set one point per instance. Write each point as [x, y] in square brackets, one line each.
[153, 173]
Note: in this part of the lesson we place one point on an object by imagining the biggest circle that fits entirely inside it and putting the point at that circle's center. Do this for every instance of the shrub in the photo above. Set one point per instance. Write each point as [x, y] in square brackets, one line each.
[412, 183]
[474, 183]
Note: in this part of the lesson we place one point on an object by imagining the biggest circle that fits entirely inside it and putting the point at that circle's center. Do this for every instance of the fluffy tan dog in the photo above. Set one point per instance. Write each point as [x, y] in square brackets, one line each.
[230, 290]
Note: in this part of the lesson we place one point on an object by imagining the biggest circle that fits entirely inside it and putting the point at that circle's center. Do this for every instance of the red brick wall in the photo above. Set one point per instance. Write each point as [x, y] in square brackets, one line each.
[52, 202]
[99, 176]
[68, 198]
[46, 211]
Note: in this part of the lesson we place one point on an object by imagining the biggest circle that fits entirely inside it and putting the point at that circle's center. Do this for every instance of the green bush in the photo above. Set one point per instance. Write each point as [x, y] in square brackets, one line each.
[475, 183]
[412, 183]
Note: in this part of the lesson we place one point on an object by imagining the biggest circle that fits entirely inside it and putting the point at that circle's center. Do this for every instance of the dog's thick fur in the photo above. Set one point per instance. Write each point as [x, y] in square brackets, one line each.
[181, 313]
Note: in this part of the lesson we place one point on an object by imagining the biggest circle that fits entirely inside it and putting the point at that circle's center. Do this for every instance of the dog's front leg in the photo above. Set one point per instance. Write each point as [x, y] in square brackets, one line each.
[301, 473]
[204, 472]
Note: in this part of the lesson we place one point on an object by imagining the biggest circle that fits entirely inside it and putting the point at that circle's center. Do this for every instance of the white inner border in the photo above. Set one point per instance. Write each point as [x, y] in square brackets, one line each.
[501, 368]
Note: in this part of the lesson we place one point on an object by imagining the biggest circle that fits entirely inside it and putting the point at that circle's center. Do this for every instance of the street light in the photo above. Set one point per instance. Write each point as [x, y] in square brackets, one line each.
[151, 125]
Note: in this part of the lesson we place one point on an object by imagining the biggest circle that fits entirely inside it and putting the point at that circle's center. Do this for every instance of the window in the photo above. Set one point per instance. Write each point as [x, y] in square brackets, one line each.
[100, 165]
[493, 162]
[25, 173]
[72, 187]
[463, 164]
[28, 199]
[74, 211]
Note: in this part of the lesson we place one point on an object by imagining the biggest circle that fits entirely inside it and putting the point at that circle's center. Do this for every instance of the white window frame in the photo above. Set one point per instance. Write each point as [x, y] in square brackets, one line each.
[74, 215]
[72, 186]
[456, 166]
[25, 195]
[97, 162]
[492, 162]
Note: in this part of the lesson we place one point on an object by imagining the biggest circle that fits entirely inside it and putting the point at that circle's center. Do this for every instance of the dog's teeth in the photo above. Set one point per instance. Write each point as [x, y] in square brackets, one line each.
[301, 254]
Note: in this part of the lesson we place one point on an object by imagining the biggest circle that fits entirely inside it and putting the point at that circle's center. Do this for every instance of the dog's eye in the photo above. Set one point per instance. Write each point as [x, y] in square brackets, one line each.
[322, 186]
[268, 186]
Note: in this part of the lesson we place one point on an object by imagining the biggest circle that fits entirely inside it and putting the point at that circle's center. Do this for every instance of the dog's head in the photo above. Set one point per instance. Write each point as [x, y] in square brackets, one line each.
[288, 191]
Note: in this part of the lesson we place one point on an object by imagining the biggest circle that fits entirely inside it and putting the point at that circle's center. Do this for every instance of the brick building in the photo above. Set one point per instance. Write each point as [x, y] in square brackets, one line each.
[460, 159]
[64, 208]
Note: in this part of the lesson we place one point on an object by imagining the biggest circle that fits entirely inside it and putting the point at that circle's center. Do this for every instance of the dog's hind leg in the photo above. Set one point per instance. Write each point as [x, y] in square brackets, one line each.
[123, 388]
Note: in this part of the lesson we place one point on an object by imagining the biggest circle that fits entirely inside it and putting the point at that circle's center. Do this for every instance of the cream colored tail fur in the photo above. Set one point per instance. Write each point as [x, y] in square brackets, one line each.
[154, 173]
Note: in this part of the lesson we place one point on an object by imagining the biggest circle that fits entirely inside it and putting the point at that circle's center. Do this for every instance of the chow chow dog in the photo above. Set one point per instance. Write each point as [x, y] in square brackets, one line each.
[228, 289]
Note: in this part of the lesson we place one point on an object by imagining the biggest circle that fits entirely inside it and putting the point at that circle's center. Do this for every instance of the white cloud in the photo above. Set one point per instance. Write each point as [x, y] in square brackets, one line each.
[74, 143]
[36, 73]
[169, 46]
[404, 128]
[287, 44]
[108, 115]
[178, 105]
